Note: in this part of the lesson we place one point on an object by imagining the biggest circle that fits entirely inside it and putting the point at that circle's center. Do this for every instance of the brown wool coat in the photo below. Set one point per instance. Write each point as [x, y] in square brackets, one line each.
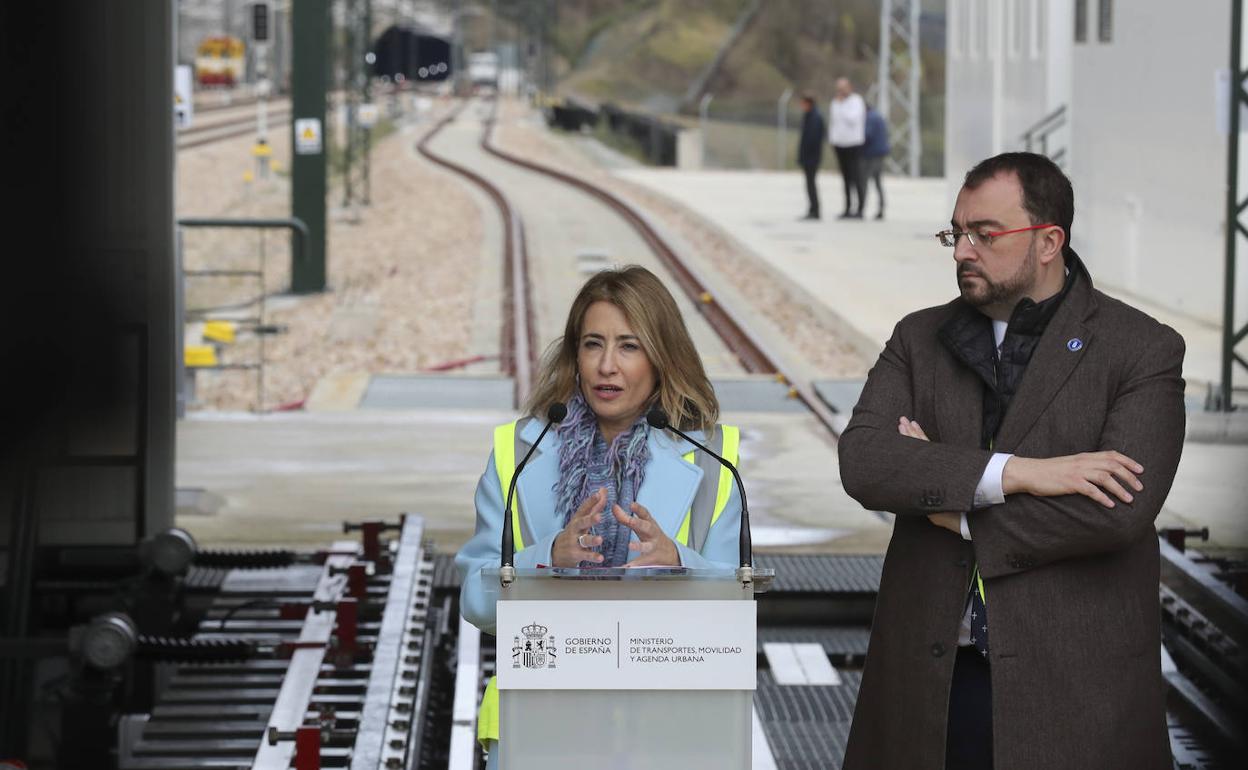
[1073, 613]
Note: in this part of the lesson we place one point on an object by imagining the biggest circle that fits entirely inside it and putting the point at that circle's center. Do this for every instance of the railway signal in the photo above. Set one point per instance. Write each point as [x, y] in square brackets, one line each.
[260, 22]
[260, 36]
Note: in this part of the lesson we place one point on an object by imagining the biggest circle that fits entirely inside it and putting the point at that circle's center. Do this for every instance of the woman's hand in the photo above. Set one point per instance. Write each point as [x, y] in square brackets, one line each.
[572, 545]
[654, 547]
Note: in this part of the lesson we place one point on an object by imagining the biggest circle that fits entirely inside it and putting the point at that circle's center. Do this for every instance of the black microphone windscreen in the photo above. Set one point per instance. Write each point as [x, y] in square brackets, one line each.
[657, 417]
[556, 412]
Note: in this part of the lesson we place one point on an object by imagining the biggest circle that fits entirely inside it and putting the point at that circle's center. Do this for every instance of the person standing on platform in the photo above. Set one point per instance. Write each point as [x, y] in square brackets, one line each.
[605, 487]
[1026, 435]
[810, 152]
[874, 150]
[848, 116]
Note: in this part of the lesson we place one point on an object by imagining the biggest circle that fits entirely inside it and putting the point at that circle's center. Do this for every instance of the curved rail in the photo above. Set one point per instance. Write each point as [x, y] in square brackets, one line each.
[727, 323]
[517, 347]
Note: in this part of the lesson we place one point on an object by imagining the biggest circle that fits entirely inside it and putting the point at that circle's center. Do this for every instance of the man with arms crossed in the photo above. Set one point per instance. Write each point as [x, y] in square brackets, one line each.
[1026, 435]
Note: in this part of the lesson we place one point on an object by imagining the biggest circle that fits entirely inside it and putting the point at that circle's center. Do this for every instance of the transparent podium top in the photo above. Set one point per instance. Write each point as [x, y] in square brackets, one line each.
[761, 579]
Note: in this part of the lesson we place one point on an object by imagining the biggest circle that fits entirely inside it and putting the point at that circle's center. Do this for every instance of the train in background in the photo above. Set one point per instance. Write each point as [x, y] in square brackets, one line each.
[483, 69]
[220, 62]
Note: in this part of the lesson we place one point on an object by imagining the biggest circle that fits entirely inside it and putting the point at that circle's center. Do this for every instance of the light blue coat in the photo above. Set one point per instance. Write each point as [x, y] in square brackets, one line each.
[667, 491]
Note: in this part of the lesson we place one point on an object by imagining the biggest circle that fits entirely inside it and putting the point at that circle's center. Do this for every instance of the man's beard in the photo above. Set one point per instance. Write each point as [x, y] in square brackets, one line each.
[1007, 293]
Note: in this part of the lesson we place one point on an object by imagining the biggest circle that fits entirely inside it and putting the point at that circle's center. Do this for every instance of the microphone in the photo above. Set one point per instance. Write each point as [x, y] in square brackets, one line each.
[658, 419]
[507, 571]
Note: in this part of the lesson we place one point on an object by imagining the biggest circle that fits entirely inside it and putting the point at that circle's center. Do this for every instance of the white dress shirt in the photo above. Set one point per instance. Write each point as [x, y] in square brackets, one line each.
[988, 492]
[847, 121]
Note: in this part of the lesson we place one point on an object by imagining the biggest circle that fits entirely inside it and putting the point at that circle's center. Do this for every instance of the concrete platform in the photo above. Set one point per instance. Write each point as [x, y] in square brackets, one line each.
[433, 391]
[294, 477]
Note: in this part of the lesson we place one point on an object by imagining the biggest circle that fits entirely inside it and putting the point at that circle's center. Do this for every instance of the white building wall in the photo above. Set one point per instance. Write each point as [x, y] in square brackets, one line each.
[1149, 167]
[1143, 145]
[1006, 71]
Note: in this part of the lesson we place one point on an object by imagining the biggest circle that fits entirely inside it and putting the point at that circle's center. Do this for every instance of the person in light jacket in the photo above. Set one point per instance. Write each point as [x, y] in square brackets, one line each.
[605, 488]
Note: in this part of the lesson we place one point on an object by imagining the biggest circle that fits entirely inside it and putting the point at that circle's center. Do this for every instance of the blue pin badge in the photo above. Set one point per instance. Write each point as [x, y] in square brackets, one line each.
[1074, 345]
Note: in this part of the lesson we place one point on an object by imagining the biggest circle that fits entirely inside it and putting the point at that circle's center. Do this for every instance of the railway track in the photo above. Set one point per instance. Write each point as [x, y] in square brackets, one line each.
[518, 341]
[221, 130]
[221, 105]
[738, 336]
[518, 344]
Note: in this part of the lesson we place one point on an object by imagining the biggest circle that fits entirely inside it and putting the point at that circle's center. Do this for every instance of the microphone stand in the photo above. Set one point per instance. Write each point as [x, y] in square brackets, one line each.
[507, 570]
[745, 573]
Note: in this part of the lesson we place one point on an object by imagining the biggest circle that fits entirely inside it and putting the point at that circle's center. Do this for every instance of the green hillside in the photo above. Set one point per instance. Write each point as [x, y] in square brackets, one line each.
[649, 54]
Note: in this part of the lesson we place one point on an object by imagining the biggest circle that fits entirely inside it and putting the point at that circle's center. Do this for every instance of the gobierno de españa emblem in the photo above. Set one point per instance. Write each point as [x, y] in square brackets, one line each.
[536, 649]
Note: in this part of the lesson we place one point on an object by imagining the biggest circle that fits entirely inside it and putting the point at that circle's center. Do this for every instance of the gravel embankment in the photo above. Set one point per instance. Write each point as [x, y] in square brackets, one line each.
[400, 292]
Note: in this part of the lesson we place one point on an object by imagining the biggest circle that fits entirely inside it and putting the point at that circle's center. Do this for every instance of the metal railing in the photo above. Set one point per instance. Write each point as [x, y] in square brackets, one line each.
[1036, 138]
[299, 242]
[298, 230]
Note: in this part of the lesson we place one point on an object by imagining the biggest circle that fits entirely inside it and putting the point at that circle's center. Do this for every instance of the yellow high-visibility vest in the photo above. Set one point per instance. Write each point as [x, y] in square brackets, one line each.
[505, 464]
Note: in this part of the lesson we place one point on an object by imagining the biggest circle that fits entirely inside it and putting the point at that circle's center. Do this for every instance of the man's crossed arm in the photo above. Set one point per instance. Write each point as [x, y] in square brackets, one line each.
[1095, 475]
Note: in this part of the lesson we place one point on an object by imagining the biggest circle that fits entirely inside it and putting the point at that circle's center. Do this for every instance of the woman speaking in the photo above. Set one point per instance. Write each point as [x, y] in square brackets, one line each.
[605, 489]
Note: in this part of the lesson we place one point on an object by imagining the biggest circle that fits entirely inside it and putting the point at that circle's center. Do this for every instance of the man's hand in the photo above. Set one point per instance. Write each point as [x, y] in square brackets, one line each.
[911, 428]
[574, 544]
[1091, 474]
[654, 547]
[950, 520]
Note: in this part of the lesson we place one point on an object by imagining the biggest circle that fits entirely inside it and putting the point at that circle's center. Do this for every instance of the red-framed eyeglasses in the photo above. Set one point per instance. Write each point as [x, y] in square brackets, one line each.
[949, 238]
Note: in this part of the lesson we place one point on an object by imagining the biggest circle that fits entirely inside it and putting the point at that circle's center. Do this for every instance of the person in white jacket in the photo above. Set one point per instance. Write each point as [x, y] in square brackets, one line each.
[847, 133]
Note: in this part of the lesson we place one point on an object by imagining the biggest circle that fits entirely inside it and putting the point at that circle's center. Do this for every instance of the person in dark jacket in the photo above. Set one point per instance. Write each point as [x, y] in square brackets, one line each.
[874, 151]
[810, 151]
[1026, 435]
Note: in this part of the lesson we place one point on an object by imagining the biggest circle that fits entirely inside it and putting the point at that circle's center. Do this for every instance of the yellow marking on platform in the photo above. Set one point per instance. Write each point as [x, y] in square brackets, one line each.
[199, 356]
[220, 331]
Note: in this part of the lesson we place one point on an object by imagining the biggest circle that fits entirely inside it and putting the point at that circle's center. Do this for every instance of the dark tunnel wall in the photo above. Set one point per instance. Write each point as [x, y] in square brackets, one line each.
[402, 50]
[87, 347]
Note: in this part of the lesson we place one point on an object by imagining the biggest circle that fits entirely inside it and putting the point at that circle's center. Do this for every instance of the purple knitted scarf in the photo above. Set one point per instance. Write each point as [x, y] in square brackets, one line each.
[586, 464]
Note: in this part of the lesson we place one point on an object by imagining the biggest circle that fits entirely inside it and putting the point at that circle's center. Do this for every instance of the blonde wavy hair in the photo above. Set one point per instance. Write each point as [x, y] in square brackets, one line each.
[683, 389]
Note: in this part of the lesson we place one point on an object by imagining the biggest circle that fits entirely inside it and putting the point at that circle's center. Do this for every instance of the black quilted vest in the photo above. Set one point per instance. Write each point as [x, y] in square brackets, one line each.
[968, 335]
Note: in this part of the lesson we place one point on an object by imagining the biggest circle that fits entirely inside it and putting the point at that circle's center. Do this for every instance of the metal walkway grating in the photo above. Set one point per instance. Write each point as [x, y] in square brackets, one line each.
[806, 726]
[823, 573]
[807, 746]
[838, 642]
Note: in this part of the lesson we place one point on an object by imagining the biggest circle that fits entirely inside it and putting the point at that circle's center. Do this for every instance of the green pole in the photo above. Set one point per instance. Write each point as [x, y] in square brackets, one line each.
[308, 79]
[1235, 99]
[348, 93]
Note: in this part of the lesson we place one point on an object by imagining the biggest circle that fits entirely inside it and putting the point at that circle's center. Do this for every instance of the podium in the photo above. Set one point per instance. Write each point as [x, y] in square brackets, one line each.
[651, 667]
